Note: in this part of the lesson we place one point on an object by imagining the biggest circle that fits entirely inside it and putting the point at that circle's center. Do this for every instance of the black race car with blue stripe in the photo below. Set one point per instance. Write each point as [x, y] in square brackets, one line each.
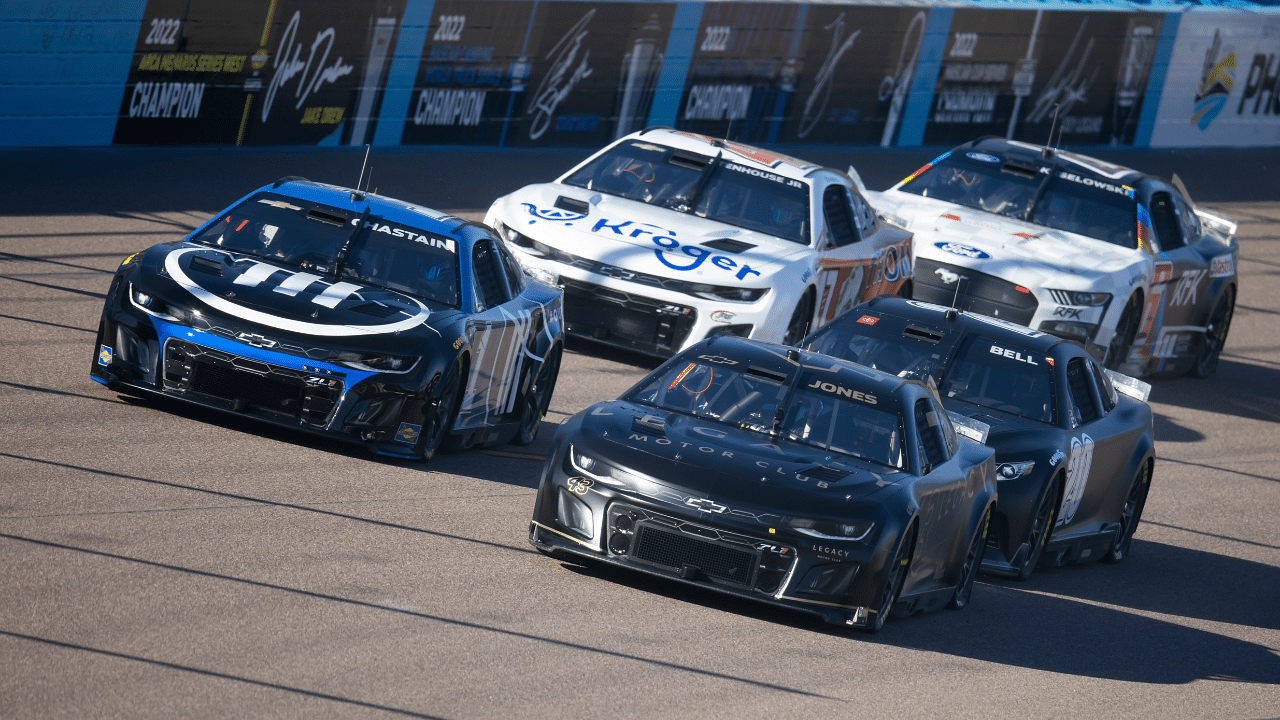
[776, 475]
[342, 313]
[1074, 442]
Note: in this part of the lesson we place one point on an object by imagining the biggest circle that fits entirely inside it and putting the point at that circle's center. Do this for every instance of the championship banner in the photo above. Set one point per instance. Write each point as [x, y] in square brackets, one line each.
[257, 72]
[1223, 84]
[472, 71]
[858, 66]
[744, 68]
[1019, 74]
[592, 72]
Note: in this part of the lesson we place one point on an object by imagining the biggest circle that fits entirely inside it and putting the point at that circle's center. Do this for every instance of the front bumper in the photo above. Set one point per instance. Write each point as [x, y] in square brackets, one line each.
[204, 368]
[738, 557]
[642, 315]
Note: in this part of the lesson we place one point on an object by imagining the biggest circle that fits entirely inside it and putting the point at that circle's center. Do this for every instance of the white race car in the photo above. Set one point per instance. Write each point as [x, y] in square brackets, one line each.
[1070, 245]
[665, 238]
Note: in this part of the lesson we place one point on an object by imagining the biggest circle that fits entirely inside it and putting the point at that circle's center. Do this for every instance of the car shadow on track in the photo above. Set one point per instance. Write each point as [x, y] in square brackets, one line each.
[1238, 388]
[1173, 580]
[1026, 625]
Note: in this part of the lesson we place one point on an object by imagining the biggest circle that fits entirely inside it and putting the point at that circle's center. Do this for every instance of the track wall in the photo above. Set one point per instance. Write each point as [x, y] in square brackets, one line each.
[522, 73]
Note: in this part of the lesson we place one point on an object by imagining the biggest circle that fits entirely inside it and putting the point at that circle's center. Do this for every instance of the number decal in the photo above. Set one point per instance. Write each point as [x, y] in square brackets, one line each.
[964, 44]
[450, 29]
[717, 39]
[1077, 476]
[164, 31]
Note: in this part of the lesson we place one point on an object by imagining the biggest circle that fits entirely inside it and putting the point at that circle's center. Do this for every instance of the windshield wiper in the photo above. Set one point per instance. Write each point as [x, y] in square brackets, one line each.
[1039, 193]
[341, 257]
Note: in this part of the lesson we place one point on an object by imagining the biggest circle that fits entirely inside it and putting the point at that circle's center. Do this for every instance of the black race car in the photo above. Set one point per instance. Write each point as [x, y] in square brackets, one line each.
[777, 475]
[343, 313]
[1074, 443]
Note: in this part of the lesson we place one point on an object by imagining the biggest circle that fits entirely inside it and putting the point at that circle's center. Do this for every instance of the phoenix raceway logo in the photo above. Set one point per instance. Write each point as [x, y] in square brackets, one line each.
[290, 284]
[1215, 83]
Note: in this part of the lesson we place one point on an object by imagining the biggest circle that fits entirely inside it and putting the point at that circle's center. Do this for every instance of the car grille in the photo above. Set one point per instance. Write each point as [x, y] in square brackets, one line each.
[979, 292]
[250, 385]
[677, 550]
[625, 319]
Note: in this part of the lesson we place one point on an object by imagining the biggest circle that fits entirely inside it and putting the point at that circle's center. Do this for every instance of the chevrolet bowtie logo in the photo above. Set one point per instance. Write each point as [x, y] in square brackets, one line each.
[705, 505]
[256, 340]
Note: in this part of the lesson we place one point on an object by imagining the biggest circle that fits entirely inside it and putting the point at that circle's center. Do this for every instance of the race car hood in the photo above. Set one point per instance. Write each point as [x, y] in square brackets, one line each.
[963, 236]
[207, 285]
[643, 238]
[726, 464]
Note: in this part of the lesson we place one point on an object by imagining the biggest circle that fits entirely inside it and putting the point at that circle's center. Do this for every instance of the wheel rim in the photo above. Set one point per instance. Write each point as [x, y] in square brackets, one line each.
[443, 410]
[1215, 335]
[539, 397]
[972, 560]
[1040, 528]
[1132, 512]
[1126, 329]
[799, 325]
[897, 575]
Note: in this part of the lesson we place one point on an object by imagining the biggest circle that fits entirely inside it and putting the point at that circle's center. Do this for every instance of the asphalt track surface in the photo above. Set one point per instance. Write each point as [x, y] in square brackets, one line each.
[161, 561]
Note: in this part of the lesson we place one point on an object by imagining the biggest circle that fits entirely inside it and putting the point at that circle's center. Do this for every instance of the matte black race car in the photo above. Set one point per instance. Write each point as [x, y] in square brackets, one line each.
[1073, 442]
[775, 475]
[342, 313]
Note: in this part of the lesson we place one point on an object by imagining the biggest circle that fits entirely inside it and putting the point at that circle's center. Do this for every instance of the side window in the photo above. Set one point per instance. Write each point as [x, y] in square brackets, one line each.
[933, 450]
[866, 217]
[1079, 383]
[1190, 224]
[1106, 390]
[1165, 219]
[515, 276]
[839, 215]
[489, 288]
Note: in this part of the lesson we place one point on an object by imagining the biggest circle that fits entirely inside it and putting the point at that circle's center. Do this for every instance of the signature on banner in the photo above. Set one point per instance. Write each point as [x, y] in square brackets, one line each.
[314, 73]
[821, 92]
[555, 87]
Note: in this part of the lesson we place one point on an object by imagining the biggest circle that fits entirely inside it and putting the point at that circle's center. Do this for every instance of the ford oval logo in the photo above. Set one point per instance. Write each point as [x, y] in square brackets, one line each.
[956, 248]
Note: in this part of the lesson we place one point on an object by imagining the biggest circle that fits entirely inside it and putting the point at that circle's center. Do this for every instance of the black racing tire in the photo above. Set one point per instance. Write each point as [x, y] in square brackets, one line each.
[441, 411]
[1215, 335]
[801, 319]
[538, 398]
[1041, 528]
[897, 568]
[1126, 331]
[1130, 516]
[972, 563]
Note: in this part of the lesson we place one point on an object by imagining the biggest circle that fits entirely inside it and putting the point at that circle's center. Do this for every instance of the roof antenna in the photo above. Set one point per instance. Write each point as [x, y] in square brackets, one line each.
[952, 312]
[361, 180]
[1047, 152]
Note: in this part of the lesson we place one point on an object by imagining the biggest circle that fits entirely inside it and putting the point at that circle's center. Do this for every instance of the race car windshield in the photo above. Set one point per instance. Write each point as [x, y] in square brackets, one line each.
[310, 236]
[1069, 202]
[821, 415]
[280, 228]
[405, 259]
[716, 189]
[1008, 379]
[891, 351]
[748, 398]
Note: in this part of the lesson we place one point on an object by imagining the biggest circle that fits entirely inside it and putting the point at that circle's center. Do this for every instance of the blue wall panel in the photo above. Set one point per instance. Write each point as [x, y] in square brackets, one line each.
[63, 66]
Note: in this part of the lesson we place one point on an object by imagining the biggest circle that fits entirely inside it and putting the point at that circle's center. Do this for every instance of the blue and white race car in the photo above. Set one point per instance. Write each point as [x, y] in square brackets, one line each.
[342, 313]
[665, 238]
